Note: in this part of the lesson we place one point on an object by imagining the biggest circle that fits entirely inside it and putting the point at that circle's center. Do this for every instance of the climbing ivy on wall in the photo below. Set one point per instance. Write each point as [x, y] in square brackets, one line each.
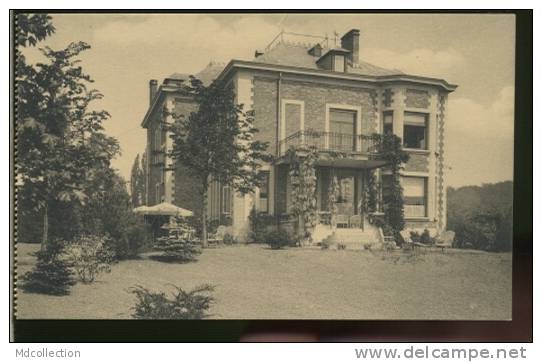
[303, 194]
[333, 193]
[391, 150]
[370, 192]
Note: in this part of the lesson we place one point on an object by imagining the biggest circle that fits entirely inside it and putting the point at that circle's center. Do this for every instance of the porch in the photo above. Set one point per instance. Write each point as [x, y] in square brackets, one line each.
[346, 184]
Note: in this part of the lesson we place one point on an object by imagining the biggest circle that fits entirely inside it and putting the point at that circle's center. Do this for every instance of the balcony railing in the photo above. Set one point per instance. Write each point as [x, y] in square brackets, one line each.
[331, 142]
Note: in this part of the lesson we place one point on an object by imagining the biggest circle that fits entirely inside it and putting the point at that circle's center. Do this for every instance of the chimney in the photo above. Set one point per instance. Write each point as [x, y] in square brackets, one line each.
[153, 87]
[350, 41]
[316, 51]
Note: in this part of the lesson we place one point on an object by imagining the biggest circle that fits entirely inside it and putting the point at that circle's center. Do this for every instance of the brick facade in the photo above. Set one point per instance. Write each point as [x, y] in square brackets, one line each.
[418, 162]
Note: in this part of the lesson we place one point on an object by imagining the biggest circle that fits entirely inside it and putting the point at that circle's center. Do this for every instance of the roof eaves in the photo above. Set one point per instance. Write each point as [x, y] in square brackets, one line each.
[325, 73]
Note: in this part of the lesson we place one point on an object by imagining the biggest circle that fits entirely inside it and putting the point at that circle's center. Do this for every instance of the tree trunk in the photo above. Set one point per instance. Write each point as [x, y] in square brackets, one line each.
[204, 220]
[45, 228]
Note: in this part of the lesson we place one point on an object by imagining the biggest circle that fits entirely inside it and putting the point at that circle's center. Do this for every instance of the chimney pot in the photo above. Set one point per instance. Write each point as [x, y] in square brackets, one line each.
[153, 88]
[350, 41]
[316, 51]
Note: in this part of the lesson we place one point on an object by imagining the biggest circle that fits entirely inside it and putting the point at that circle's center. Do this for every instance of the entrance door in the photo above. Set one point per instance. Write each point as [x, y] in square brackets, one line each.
[346, 200]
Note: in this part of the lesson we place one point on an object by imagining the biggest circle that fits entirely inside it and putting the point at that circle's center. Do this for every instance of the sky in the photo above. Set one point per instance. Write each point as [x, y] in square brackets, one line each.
[474, 51]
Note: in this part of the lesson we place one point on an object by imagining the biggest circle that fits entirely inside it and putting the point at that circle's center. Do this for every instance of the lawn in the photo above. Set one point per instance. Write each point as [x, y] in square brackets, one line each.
[253, 282]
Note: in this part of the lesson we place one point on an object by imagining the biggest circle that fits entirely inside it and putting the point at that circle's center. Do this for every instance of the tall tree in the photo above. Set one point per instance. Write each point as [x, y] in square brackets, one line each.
[137, 183]
[216, 142]
[60, 142]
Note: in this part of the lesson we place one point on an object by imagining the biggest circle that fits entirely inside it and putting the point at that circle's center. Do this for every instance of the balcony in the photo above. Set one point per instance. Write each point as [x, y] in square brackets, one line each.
[354, 150]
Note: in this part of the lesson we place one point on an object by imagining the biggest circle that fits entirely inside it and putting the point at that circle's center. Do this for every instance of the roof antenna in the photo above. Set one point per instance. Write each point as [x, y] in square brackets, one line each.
[335, 37]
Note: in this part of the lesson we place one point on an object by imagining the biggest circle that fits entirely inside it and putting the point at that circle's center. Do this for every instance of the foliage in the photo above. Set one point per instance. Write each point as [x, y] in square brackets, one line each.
[217, 142]
[183, 304]
[303, 194]
[259, 222]
[137, 183]
[229, 239]
[370, 192]
[481, 216]
[333, 193]
[423, 238]
[391, 150]
[60, 141]
[89, 256]
[278, 239]
[52, 273]
[177, 249]
[109, 212]
[341, 246]
[328, 241]
[33, 28]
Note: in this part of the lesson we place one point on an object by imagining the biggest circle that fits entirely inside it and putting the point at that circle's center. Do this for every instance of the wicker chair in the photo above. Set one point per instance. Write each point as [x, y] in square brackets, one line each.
[355, 221]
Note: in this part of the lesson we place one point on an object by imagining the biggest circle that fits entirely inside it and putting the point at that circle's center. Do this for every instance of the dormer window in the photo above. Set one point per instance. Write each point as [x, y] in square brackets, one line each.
[338, 63]
[334, 60]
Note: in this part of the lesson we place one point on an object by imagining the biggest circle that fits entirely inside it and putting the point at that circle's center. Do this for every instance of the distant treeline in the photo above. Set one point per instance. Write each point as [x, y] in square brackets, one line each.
[481, 216]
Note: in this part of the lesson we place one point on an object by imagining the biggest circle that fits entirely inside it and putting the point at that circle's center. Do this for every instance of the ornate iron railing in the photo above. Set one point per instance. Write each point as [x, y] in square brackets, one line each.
[331, 142]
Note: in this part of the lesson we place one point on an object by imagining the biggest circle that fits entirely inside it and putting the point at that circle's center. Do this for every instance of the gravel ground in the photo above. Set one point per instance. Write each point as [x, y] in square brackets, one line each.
[253, 282]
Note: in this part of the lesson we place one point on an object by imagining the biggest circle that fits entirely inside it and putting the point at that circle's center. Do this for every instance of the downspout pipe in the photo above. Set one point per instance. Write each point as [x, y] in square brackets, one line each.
[277, 146]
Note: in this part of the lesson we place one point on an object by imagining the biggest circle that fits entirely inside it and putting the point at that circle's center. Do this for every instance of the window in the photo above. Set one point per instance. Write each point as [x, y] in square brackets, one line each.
[415, 196]
[342, 127]
[226, 200]
[387, 127]
[415, 131]
[264, 193]
[338, 63]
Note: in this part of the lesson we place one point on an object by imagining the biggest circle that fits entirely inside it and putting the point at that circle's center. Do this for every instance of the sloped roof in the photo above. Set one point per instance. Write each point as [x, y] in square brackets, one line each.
[206, 75]
[297, 55]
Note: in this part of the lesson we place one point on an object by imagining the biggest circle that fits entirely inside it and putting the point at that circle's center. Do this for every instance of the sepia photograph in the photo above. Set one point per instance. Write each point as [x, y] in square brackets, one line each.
[250, 166]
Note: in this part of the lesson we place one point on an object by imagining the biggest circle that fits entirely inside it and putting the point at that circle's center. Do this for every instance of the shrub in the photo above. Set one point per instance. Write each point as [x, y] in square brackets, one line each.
[259, 222]
[423, 238]
[177, 250]
[328, 241]
[278, 239]
[229, 239]
[183, 305]
[341, 246]
[90, 256]
[52, 273]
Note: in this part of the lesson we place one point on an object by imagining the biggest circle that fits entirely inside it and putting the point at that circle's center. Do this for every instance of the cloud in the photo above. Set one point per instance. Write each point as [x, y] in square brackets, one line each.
[191, 33]
[422, 61]
[479, 144]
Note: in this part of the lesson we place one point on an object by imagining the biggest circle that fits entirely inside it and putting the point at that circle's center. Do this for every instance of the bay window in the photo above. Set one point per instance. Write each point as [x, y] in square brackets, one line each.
[415, 196]
[415, 131]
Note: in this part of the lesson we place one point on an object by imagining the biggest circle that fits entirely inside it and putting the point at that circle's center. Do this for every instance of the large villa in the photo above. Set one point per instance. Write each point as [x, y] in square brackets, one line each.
[323, 95]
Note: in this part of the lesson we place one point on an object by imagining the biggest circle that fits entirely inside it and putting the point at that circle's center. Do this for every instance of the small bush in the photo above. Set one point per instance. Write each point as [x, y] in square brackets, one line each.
[341, 246]
[229, 239]
[278, 239]
[183, 305]
[327, 242]
[423, 238]
[259, 222]
[90, 256]
[52, 273]
[177, 250]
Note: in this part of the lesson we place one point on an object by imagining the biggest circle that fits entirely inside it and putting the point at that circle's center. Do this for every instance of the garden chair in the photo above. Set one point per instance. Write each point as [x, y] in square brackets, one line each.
[218, 236]
[341, 219]
[355, 221]
[445, 240]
